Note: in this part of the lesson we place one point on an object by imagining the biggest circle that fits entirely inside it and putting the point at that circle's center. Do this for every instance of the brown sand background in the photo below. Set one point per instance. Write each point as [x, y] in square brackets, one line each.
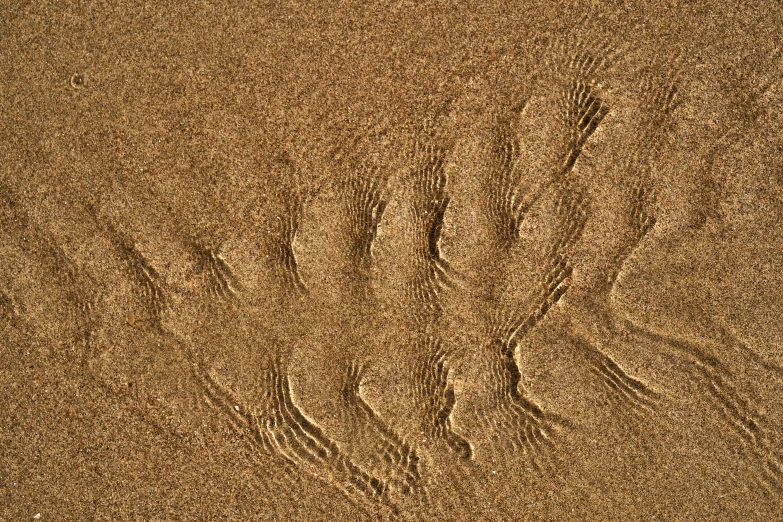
[396, 260]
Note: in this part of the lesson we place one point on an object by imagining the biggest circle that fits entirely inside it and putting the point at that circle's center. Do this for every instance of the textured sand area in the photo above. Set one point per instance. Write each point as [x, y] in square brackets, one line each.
[391, 261]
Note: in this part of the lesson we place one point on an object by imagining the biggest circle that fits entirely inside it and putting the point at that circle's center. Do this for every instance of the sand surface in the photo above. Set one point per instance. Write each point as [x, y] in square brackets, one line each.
[391, 261]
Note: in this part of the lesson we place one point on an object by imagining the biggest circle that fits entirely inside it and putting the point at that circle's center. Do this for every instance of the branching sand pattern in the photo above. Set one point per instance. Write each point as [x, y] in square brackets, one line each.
[583, 113]
[434, 397]
[428, 186]
[364, 318]
[285, 258]
[509, 198]
[219, 279]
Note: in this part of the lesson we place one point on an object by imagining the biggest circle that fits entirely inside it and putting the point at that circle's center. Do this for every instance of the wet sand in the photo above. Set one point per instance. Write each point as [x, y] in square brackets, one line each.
[401, 261]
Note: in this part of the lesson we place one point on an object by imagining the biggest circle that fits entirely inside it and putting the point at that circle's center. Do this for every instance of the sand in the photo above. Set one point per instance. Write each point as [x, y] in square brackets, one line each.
[391, 261]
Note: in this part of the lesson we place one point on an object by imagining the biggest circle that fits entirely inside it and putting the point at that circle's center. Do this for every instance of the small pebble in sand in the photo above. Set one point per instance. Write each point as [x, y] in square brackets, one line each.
[76, 81]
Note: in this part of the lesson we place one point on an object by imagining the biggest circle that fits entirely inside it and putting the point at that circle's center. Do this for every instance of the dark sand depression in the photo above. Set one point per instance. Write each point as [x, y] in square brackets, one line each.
[401, 260]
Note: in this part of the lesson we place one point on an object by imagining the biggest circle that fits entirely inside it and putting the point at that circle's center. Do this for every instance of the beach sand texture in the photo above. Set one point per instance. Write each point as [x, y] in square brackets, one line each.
[404, 260]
